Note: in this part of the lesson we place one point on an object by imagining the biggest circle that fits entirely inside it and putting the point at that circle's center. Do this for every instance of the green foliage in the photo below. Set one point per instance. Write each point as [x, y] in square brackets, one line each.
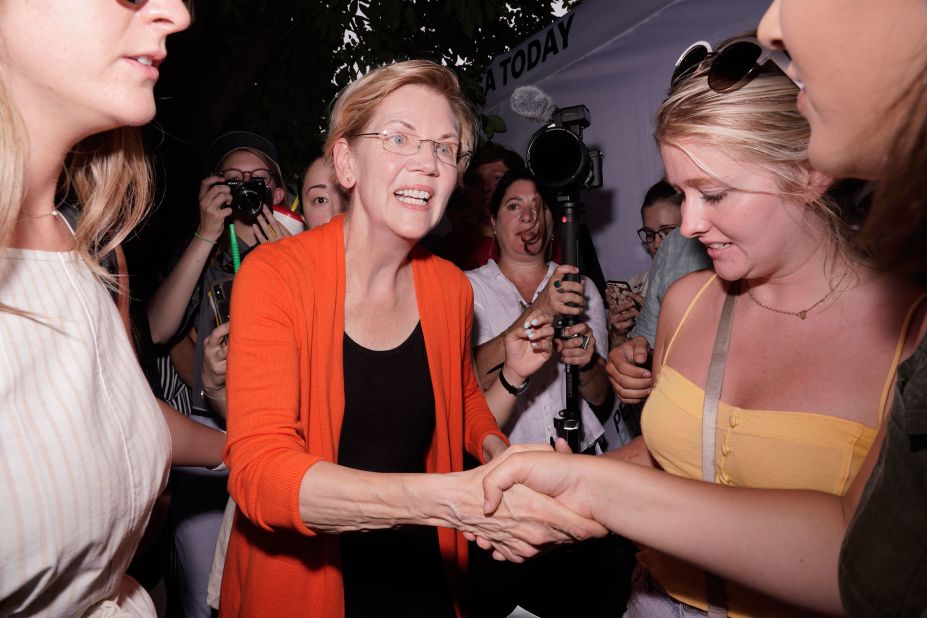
[275, 67]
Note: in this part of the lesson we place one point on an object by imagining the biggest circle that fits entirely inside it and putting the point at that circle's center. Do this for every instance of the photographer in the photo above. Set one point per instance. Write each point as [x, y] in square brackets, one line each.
[247, 163]
[244, 182]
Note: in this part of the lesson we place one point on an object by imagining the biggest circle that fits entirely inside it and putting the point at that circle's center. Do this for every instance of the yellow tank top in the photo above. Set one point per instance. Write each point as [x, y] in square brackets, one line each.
[768, 449]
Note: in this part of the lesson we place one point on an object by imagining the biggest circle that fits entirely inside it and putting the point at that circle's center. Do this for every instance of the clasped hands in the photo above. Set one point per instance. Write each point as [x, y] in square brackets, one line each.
[506, 511]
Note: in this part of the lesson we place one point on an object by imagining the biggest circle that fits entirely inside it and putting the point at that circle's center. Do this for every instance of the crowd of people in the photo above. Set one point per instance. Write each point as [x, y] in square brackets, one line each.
[351, 425]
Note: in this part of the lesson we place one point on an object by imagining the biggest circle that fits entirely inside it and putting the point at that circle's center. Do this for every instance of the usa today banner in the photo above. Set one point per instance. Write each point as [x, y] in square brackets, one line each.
[616, 57]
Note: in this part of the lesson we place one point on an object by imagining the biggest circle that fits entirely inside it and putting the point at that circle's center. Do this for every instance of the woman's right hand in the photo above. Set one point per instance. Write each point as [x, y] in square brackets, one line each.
[555, 475]
[528, 346]
[214, 201]
[630, 381]
[523, 522]
[558, 292]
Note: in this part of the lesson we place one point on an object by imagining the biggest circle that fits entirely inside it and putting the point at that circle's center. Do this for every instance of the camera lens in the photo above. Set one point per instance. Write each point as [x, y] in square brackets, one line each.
[247, 200]
[557, 157]
[248, 197]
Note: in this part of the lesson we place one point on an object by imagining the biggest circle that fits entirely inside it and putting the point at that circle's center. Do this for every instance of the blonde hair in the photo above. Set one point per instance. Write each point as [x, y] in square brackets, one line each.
[758, 123]
[12, 165]
[107, 174]
[357, 103]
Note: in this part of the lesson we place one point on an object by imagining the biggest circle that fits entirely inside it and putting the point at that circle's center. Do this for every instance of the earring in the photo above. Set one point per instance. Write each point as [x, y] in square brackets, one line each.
[348, 179]
[492, 244]
[550, 248]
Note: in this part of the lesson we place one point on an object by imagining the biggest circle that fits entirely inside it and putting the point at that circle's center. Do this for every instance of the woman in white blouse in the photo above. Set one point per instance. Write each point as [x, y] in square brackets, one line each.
[524, 279]
[84, 445]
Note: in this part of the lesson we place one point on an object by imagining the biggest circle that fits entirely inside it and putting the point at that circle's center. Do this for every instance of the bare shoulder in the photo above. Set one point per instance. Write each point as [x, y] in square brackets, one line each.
[680, 294]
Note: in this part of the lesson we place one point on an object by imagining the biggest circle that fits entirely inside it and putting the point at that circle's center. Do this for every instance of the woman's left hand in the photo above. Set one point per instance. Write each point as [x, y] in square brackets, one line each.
[579, 348]
[215, 355]
[562, 297]
[529, 345]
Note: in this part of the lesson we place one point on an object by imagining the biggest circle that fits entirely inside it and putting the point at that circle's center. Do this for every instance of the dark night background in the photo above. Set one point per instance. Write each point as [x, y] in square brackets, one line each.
[274, 68]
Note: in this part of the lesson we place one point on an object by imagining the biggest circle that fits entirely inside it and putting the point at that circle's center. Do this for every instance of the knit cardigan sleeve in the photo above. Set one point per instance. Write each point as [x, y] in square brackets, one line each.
[285, 383]
[266, 449]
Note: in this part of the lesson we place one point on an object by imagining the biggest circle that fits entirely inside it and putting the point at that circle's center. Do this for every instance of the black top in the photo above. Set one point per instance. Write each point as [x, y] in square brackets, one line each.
[883, 563]
[389, 421]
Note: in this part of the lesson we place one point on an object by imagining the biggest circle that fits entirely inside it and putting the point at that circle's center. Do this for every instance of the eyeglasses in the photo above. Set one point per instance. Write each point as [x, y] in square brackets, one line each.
[407, 145]
[732, 66]
[647, 236]
[259, 174]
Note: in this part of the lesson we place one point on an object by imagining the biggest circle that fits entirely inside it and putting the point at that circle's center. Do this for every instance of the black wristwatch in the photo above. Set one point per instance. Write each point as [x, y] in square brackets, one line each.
[514, 391]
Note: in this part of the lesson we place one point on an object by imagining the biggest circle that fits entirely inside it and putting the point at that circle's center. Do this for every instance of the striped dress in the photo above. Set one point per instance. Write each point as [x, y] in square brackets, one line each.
[84, 450]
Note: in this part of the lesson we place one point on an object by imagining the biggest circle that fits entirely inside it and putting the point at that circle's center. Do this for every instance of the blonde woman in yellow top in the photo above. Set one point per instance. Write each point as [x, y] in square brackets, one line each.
[813, 346]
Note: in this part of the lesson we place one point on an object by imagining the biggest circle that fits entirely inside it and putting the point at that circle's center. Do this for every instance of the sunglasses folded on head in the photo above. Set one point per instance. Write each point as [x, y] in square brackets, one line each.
[732, 66]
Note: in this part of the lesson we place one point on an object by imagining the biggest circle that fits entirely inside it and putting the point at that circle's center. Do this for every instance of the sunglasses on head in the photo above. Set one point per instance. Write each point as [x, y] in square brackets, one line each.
[731, 67]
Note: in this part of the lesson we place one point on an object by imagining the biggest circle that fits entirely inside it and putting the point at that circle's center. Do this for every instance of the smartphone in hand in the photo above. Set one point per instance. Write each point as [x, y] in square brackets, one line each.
[220, 300]
[617, 291]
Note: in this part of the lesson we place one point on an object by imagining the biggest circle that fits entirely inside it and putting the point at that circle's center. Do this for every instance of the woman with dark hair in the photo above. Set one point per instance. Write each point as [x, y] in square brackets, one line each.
[319, 194]
[524, 279]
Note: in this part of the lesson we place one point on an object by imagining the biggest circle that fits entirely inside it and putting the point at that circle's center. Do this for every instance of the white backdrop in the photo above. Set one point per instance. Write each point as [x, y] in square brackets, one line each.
[616, 57]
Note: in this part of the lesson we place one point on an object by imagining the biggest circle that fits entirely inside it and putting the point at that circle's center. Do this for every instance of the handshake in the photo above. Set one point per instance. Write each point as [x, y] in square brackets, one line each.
[532, 499]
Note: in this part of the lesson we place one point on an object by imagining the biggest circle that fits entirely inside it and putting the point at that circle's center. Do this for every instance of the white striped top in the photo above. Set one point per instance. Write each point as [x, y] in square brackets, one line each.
[84, 450]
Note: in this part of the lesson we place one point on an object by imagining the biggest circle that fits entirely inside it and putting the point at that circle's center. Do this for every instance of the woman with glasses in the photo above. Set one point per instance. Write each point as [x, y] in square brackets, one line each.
[188, 311]
[351, 377]
[660, 215]
[772, 373]
[84, 447]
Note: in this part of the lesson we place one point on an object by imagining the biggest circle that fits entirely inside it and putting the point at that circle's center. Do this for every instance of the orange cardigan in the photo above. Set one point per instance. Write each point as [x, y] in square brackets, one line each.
[286, 401]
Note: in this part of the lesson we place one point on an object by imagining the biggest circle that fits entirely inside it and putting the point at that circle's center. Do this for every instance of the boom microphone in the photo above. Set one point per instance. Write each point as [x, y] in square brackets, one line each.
[532, 103]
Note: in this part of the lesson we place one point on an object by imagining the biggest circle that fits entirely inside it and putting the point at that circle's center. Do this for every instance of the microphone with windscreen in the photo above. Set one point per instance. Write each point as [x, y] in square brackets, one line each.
[556, 153]
[532, 103]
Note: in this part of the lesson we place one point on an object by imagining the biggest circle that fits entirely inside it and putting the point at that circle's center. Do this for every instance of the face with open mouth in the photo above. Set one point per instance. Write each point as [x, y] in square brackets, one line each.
[403, 193]
[99, 62]
[736, 210]
[516, 223]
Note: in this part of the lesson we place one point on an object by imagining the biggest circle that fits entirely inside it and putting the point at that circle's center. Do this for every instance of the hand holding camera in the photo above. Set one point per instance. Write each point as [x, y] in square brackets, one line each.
[221, 197]
[248, 196]
[214, 198]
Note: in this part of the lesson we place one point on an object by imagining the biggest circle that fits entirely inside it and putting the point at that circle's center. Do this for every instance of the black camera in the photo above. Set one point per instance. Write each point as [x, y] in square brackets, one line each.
[557, 155]
[248, 196]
